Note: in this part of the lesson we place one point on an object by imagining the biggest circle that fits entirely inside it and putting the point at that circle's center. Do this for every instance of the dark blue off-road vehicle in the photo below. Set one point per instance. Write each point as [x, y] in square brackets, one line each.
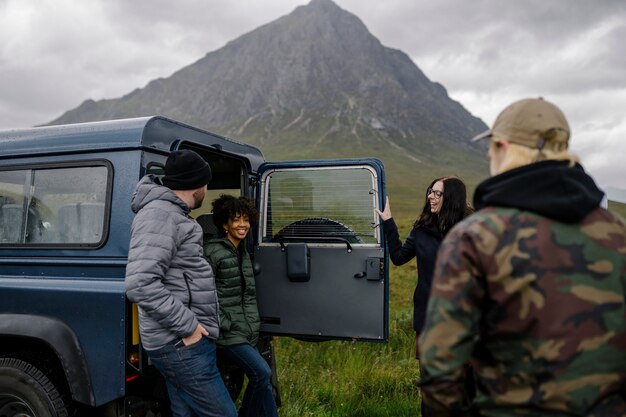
[68, 336]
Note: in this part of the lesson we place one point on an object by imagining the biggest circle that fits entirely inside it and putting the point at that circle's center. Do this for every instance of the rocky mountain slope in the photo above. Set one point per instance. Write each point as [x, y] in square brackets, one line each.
[314, 83]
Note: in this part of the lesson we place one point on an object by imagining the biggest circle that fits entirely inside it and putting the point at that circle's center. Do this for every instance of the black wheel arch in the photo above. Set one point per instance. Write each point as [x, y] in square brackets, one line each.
[61, 341]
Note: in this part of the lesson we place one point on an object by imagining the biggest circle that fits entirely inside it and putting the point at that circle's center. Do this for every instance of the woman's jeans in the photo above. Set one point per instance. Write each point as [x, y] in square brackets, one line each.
[258, 399]
[193, 381]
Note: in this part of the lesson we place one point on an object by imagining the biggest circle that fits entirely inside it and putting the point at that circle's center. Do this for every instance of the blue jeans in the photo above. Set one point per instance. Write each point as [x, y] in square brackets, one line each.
[193, 381]
[258, 400]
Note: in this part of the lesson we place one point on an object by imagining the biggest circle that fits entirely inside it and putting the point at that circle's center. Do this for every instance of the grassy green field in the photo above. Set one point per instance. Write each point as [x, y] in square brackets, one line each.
[350, 379]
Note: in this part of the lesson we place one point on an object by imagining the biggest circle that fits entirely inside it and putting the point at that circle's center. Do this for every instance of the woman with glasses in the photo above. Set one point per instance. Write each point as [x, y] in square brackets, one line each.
[445, 205]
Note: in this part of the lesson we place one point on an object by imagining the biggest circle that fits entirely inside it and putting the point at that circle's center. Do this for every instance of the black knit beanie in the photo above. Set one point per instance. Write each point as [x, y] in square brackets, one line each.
[186, 170]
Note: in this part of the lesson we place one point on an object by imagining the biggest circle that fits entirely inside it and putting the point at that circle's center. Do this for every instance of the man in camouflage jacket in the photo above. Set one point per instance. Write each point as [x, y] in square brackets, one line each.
[530, 290]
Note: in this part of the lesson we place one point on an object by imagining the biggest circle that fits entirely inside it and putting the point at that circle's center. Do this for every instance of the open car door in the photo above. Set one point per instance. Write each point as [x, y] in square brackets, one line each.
[320, 253]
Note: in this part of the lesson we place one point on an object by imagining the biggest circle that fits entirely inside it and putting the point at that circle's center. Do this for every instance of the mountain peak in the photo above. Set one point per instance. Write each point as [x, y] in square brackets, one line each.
[322, 19]
[315, 75]
[321, 7]
[325, 5]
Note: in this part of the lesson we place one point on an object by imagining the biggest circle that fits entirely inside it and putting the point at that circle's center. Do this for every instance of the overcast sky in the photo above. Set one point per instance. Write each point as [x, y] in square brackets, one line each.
[54, 54]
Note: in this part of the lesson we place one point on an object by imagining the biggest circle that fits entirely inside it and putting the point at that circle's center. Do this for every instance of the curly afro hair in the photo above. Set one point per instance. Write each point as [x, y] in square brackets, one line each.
[228, 207]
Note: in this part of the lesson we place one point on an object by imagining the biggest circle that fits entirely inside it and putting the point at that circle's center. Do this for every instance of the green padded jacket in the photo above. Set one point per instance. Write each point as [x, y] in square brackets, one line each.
[236, 292]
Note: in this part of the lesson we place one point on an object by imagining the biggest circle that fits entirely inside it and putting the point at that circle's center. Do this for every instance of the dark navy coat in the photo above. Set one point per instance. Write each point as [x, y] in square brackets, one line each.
[422, 243]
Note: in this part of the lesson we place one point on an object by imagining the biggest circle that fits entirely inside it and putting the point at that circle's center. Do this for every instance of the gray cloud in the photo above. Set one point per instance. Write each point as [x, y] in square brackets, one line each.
[486, 53]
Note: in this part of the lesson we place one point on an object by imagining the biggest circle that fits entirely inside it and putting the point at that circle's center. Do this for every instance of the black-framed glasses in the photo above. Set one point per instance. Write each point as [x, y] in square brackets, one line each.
[438, 194]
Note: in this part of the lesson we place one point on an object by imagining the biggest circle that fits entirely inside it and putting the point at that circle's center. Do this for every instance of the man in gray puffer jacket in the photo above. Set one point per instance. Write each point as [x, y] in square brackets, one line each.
[174, 287]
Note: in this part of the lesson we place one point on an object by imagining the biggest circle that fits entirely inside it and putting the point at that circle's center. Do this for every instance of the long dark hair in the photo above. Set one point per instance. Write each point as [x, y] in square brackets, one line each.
[228, 207]
[453, 209]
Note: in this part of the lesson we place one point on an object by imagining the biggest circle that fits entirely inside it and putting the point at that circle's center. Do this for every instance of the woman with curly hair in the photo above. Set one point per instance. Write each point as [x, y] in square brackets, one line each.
[239, 314]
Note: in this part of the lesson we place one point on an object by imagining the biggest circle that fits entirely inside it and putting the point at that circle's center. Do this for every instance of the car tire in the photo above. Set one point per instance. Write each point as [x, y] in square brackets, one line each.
[25, 391]
[318, 227]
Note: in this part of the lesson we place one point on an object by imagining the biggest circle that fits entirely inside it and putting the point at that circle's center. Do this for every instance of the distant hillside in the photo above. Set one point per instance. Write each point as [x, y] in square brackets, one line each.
[616, 194]
[316, 84]
[619, 208]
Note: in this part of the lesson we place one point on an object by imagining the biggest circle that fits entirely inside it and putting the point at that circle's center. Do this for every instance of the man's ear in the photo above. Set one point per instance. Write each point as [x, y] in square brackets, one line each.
[501, 143]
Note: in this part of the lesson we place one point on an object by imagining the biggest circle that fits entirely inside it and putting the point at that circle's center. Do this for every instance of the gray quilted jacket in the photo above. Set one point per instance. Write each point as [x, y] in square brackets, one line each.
[166, 275]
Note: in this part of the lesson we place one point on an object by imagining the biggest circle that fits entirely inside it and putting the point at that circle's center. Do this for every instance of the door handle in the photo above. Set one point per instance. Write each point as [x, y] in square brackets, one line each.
[374, 269]
[360, 274]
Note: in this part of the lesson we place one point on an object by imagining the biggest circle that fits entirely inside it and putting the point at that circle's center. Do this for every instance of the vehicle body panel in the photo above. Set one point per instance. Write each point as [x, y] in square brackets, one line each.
[79, 286]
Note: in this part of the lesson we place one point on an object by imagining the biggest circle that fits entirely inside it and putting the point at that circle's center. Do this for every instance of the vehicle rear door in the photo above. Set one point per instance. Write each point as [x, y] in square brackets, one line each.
[320, 257]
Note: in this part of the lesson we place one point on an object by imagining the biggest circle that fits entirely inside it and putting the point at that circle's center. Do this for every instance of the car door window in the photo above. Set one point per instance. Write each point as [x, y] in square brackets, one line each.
[317, 204]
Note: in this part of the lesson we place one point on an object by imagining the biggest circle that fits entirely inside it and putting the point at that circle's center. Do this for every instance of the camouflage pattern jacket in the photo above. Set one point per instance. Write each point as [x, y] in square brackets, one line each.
[530, 290]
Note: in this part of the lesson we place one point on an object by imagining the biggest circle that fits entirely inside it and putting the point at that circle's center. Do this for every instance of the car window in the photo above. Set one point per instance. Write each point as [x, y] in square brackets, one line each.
[53, 205]
[320, 204]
